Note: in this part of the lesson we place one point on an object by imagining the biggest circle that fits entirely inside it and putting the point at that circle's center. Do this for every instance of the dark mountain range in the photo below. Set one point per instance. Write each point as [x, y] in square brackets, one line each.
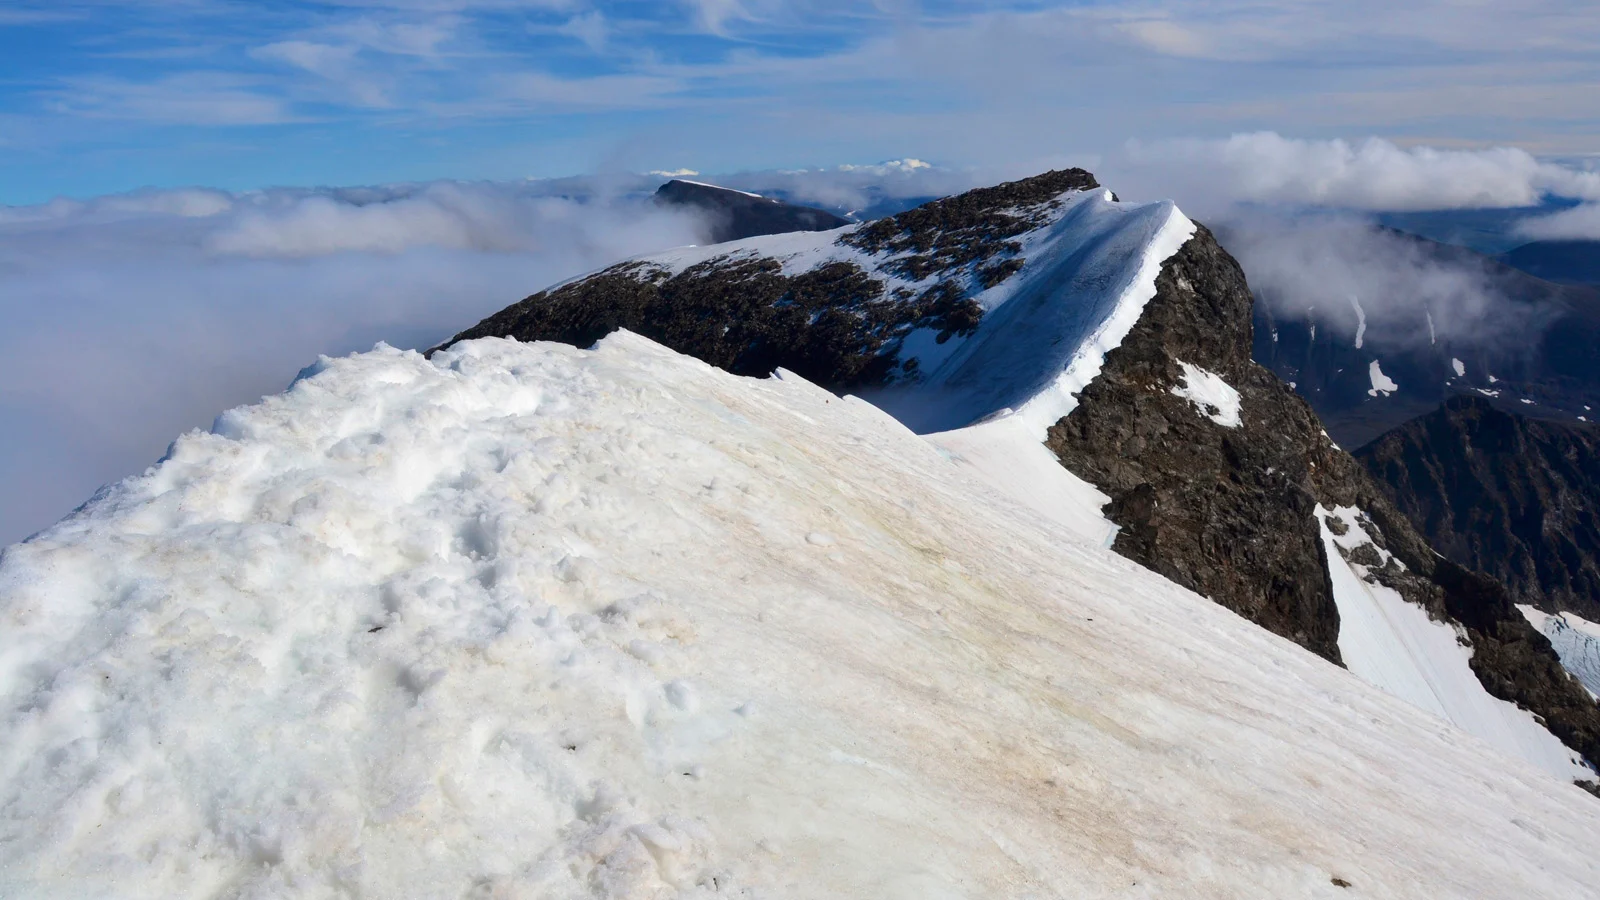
[1540, 356]
[736, 215]
[1565, 262]
[1504, 494]
[980, 304]
[1487, 230]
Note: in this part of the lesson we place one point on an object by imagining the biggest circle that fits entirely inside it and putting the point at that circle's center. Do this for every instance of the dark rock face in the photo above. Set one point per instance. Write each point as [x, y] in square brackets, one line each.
[736, 215]
[1226, 512]
[1503, 494]
[833, 325]
[1516, 663]
[957, 232]
[837, 325]
[1229, 512]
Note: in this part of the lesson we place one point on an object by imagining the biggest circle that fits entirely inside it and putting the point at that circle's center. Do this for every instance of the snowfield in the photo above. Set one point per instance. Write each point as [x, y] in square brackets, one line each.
[527, 621]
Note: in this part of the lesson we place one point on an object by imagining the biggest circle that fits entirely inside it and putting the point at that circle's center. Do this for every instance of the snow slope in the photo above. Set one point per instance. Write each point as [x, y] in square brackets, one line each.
[532, 621]
[1393, 645]
[1034, 348]
[1576, 640]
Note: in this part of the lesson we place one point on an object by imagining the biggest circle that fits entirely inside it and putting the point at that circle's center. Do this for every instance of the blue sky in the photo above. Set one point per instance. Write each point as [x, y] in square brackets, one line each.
[99, 96]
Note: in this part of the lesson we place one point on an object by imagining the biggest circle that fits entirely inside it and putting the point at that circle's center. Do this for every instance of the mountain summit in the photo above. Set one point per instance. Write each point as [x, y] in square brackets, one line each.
[1120, 335]
[586, 614]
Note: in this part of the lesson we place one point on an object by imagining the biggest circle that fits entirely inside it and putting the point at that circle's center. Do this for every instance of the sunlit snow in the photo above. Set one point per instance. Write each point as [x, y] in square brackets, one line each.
[1213, 397]
[1394, 645]
[532, 621]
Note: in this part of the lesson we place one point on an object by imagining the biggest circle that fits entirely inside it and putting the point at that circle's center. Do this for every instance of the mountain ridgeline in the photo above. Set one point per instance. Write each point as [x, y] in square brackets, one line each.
[1540, 355]
[1514, 497]
[734, 215]
[981, 304]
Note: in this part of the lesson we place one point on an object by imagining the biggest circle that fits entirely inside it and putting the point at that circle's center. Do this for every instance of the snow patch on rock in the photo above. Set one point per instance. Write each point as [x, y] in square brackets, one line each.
[1382, 385]
[1214, 398]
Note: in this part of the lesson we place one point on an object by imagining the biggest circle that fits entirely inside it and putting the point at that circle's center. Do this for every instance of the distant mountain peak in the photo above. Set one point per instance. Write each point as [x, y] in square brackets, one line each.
[736, 215]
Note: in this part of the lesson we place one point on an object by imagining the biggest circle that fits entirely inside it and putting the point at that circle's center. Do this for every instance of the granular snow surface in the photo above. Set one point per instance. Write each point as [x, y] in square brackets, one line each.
[528, 621]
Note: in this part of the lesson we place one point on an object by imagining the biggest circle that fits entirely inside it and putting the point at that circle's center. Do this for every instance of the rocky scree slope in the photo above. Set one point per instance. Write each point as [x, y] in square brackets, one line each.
[1514, 497]
[929, 303]
[1229, 511]
[735, 215]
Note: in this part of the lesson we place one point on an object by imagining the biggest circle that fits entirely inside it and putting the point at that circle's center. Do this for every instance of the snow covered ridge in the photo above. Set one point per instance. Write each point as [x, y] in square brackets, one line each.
[1396, 646]
[425, 629]
[1002, 298]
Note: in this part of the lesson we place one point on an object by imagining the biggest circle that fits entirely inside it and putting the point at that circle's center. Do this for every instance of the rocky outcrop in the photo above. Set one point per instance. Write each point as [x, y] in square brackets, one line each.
[1514, 497]
[1228, 510]
[839, 324]
[734, 215]
[1225, 511]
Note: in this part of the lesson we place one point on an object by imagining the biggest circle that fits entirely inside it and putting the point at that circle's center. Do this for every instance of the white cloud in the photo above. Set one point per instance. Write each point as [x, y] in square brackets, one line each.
[590, 29]
[126, 320]
[1580, 223]
[190, 98]
[326, 60]
[1374, 174]
[1376, 287]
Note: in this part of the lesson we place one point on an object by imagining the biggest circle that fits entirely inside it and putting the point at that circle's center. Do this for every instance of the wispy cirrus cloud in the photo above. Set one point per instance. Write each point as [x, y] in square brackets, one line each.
[511, 87]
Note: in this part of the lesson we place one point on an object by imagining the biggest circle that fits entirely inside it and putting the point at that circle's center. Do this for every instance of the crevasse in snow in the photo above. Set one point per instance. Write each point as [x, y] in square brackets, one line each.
[530, 621]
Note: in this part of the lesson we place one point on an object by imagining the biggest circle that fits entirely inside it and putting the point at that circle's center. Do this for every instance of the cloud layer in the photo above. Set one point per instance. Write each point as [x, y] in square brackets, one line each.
[1374, 174]
[1580, 223]
[127, 320]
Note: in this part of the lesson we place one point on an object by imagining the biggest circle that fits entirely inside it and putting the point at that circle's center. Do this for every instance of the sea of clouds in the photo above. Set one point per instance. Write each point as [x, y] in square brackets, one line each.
[126, 320]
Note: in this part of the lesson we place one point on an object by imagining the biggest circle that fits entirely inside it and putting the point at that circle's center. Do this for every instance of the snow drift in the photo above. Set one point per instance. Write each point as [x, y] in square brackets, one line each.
[525, 620]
